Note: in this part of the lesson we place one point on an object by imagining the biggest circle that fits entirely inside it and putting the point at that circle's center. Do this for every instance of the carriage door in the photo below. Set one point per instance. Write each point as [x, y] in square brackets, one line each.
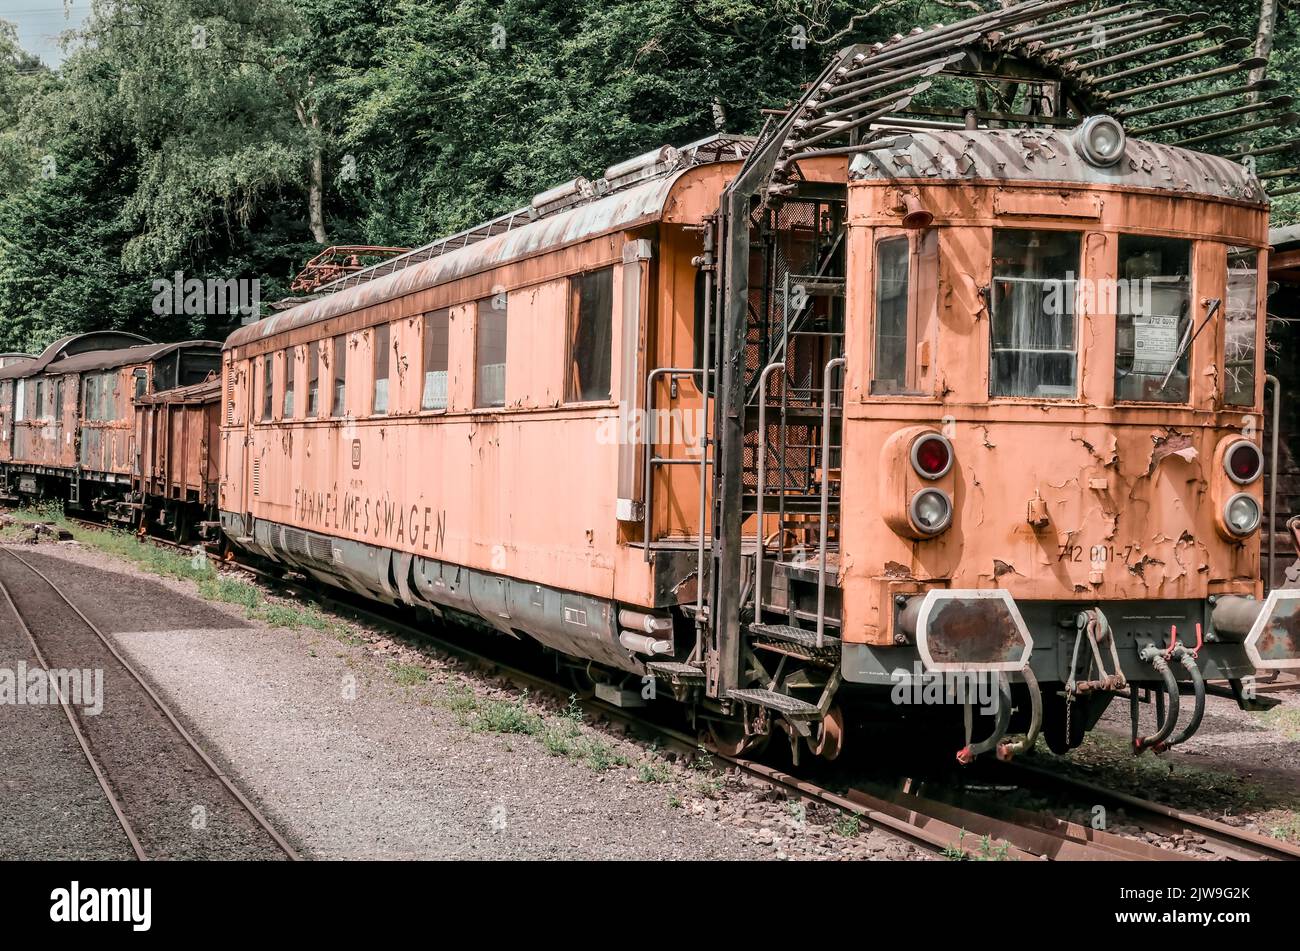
[236, 472]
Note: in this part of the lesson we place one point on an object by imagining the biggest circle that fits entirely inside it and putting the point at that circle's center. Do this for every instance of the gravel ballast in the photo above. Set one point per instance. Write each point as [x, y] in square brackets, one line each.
[51, 805]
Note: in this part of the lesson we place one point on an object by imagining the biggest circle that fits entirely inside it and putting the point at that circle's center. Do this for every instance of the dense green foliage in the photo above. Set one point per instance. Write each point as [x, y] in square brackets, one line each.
[201, 135]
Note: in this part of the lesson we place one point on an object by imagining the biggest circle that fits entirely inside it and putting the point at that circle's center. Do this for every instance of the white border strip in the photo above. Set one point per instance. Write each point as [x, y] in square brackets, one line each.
[931, 601]
[1257, 630]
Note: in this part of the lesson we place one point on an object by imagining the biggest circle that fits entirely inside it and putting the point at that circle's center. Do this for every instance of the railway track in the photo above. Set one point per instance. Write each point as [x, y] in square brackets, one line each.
[170, 797]
[939, 827]
[1218, 838]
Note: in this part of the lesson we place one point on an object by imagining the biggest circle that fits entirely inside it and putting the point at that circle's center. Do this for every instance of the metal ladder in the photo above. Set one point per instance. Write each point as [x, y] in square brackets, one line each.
[805, 452]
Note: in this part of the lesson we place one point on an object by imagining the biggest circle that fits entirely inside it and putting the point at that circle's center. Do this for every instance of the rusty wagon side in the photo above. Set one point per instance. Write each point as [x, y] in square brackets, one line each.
[176, 477]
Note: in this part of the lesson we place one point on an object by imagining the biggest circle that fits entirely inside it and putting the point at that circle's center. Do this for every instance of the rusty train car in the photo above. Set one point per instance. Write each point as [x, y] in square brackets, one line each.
[890, 392]
[906, 389]
[68, 417]
[175, 482]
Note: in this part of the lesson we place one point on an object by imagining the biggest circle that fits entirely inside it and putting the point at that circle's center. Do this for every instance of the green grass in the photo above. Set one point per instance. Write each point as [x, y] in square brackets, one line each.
[508, 716]
[194, 567]
[561, 735]
[651, 771]
[986, 851]
[1285, 720]
[847, 825]
[409, 675]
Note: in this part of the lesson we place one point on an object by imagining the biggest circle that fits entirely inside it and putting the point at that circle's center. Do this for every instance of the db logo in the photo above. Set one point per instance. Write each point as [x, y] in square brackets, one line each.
[356, 454]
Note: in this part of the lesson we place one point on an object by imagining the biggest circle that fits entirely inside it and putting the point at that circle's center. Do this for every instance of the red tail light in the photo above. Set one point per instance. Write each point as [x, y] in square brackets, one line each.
[932, 456]
[1244, 462]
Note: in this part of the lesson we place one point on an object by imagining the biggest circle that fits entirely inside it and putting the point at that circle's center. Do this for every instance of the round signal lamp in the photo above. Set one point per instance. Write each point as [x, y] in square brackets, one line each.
[1244, 462]
[932, 456]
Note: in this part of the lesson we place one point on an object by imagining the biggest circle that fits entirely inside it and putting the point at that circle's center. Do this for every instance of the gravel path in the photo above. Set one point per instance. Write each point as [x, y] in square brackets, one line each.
[357, 747]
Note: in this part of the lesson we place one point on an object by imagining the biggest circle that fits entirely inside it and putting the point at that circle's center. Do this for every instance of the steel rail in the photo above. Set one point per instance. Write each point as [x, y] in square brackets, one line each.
[82, 741]
[252, 810]
[1234, 842]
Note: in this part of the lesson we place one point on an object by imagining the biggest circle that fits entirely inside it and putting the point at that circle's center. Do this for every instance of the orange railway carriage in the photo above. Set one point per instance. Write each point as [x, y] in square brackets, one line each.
[783, 425]
[67, 422]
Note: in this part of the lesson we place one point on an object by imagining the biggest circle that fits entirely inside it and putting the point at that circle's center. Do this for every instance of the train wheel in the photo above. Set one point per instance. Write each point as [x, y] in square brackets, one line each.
[828, 739]
[728, 737]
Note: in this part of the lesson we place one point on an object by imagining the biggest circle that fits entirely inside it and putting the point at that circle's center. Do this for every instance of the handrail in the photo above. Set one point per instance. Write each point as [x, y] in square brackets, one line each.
[706, 360]
[1272, 478]
[762, 485]
[828, 374]
[671, 372]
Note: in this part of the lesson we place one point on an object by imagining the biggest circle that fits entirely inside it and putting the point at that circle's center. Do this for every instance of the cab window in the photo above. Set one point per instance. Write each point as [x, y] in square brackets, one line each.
[1034, 341]
[1241, 314]
[1153, 319]
[893, 283]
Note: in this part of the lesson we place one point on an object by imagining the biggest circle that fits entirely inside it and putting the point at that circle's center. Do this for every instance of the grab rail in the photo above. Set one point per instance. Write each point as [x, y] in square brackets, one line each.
[762, 485]
[650, 460]
[831, 367]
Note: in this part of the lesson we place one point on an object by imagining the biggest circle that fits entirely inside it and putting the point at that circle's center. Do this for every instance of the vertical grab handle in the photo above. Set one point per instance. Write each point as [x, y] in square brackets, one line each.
[827, 377]
[762, 486]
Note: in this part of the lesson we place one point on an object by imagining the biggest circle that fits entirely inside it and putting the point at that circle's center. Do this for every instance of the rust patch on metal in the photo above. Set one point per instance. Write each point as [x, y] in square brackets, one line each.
[1171, 443]
[894, 570]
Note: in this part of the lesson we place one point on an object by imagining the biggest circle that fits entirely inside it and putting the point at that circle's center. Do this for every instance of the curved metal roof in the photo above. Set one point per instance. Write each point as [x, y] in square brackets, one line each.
[1050, 155]
[103, 359]
[72, 345]
[638, 204]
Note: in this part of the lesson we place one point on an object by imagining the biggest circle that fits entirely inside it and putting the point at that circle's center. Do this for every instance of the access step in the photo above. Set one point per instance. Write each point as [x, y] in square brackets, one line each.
[676, 673]
[792, 708]
[794, 635]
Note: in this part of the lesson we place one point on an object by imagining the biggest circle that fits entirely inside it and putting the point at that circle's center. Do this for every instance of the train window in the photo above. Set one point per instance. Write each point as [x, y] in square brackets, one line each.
[58, 399]
[1034, 343]
[290, 358]
[698, 343]
[591, 336]
[141, 380]
[379, 400]
[338, 406]
[313, 379]
[20, 401]
[437, 332]
[268, 386]
[1241, 316]
[1153, 319]
[490, 352]
[38, 400]
[893, 270]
